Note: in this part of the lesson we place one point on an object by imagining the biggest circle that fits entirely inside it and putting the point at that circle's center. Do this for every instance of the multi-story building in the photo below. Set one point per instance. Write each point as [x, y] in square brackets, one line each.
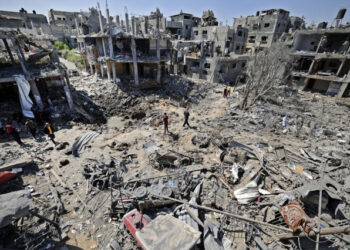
[181, 25]
[322, 60]
[264, 28]
[23, 19]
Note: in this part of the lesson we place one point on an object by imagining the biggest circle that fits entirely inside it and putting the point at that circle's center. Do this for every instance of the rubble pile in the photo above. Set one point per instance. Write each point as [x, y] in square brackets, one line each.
[234, 179]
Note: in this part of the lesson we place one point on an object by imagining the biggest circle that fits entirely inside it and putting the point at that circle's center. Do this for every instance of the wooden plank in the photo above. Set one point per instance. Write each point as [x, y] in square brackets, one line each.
[16, 164]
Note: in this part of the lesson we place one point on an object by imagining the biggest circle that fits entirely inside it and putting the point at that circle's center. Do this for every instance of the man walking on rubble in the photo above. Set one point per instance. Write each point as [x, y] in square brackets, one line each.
[166, 123]
[13, 132]
[50, 132]
[31, 127]
[186, 115]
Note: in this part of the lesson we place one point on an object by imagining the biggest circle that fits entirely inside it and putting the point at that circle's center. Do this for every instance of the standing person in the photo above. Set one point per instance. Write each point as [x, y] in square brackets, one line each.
[37, 115]
[31, 127]
[225, 92]
[13, 132]
[50, 132]
[187, 115]
[229, 90]
[166, 123]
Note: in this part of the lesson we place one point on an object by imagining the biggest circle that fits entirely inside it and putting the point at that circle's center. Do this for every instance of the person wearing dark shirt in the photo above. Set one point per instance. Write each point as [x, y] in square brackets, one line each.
[186, 115]
[31, 127]
[166, 123]
[13, 132]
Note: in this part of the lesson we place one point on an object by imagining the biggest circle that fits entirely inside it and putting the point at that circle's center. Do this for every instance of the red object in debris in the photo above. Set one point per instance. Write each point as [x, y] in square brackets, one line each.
[6, 176]
[294, 216]
[134, 222]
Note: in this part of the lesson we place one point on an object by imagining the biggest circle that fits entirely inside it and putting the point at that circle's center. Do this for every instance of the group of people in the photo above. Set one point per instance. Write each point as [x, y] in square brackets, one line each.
[227, 91]
[41, 119]
[166, 121]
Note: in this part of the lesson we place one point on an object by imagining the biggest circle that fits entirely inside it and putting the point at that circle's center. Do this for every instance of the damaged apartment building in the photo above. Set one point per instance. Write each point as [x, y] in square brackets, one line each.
[266, 27]
[29, 72]
[24, 21]
[65, 24]
[124, 53]
[322, 58]
[214, 53]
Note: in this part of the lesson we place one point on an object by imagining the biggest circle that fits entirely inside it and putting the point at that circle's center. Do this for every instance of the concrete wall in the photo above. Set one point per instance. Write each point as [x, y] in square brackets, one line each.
[306, 42]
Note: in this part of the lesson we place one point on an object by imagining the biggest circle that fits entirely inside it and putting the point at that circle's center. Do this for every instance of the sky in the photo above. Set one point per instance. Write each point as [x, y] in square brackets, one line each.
[225, 10]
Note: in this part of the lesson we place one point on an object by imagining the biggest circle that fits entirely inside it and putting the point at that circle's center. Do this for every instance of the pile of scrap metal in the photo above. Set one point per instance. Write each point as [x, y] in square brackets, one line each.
[242, 202]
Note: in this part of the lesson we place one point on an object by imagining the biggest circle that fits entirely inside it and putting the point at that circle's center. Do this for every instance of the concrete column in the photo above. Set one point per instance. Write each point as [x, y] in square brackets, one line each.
[133, 25]
[127, 22]
[36, 93]
[103, 43]
[134, 59]
[117, 20]
[137, 27]
[146, 24]
[9, 51]
[342, 89]
[89, 59]
[158, 62]
[111, 55]
[32, 83]
[66, 87]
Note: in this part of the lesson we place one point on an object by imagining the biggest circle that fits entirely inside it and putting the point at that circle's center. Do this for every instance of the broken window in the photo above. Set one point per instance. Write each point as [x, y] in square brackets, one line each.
[64, 19]
[207, 65]
[195, 32]
[264, 39]
[239, 33]
[186, 27]
[266, 25]
[243, 65]
[195, 64]
[58, 18]
[255, 26]
[238, 47]
[204, 33]
[251, 39]
[234, 65]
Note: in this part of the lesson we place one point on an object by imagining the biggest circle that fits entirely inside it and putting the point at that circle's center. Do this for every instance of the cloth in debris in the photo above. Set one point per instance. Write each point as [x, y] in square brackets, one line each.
[80, 144]
[247, 193]
[23, 90]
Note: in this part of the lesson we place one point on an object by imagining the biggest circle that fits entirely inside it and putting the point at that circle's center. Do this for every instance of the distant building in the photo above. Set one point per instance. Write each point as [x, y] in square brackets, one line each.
[21, 19]
[181, 24]
[264, 28]
[322, 60]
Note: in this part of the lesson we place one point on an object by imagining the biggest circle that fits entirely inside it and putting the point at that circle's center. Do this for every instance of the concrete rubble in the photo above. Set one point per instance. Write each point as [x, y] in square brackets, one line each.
[273, 175]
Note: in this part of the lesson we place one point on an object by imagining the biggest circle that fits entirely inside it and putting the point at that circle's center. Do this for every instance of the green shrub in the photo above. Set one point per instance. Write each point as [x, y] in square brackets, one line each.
[59, 45]
[69, 54]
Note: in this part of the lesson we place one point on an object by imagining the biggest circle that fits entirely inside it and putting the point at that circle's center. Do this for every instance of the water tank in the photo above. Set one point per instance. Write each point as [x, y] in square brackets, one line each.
[322, 25]
[341, 13]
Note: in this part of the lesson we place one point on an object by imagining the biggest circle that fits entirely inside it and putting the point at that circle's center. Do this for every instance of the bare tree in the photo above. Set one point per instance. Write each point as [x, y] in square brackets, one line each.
[265, 70]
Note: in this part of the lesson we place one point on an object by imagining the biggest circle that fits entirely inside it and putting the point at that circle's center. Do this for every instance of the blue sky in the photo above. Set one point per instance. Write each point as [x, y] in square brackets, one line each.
[224, 10]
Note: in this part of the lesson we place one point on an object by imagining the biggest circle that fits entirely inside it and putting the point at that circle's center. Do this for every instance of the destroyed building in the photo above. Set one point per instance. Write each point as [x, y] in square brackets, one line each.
[21, 19]
[321, 60]
[65, 24]
[29, 66]
[126, 55]
[264, 28]
[181, 25]
[31, 22]
[214, 53]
